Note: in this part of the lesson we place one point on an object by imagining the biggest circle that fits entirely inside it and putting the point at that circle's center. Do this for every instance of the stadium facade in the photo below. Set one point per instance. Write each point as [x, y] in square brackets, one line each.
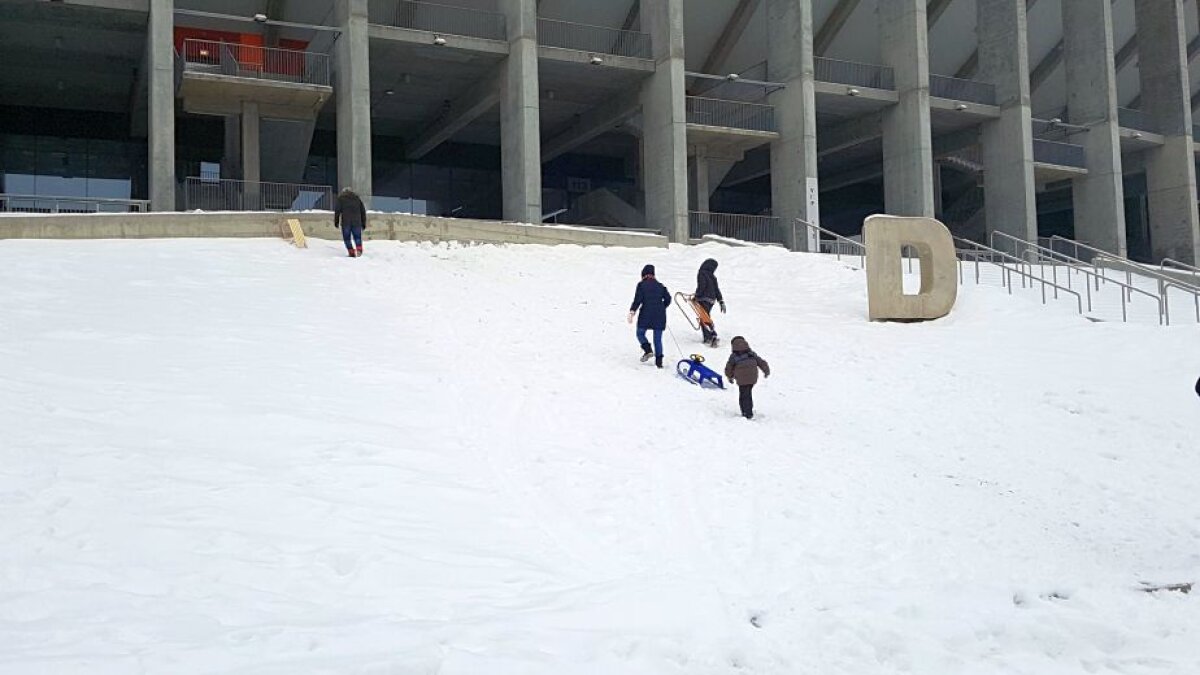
[1033, 118]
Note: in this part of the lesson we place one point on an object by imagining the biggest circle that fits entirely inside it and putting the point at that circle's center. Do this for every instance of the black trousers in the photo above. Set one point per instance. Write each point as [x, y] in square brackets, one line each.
[707, 332]
[746, 399]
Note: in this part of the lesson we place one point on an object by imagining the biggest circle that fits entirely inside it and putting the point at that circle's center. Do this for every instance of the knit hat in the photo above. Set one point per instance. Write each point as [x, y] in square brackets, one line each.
[739, 344]
[648, 271]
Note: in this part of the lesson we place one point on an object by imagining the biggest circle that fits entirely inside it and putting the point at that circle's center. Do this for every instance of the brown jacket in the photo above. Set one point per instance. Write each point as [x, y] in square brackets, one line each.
[743, 365]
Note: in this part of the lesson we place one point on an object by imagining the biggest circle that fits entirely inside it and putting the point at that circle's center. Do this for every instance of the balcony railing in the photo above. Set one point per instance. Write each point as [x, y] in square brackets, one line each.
[1136, 119]
[264, 63]
[957, 89]
[435, 18]
[14, 203]
[855, 74]
[594, 39]
[758, 229]
[211, 194]
[1061, 154]
[715, 112]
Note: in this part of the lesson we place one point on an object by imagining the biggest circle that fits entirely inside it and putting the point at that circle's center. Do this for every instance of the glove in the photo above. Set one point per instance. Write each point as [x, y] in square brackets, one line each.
[629, 319]
[722, 306]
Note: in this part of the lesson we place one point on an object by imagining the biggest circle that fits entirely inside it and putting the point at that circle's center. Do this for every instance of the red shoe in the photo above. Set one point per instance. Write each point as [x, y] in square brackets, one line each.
[359, 251]
[351, 252]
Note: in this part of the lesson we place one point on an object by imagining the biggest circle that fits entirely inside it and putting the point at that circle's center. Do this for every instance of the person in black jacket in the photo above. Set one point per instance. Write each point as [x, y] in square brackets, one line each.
[350, 214]
[708, 293]
[652, 298]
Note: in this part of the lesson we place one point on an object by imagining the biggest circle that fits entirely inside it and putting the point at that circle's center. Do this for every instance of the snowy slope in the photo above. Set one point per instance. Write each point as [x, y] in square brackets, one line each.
[239, 457]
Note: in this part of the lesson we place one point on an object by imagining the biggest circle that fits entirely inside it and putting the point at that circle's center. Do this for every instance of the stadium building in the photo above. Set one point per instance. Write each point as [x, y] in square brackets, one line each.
[1034, 118]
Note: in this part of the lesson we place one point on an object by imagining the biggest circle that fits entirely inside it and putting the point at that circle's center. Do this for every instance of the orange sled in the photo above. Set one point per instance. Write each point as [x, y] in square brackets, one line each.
[701, 317]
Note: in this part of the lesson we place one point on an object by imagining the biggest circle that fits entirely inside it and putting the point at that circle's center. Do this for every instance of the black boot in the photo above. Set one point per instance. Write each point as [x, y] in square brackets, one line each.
[646, 352]
[658, 361]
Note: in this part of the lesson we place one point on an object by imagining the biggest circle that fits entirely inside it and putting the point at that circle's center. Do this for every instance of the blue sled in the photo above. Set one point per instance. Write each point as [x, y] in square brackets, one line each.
[693, 370]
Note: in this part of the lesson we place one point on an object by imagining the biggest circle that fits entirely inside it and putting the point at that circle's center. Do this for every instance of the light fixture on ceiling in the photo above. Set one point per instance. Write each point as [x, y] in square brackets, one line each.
[960, 107]
[439, 40]
[853, 92]
[1136, 134]
[260, 17]
[733, 77]
[1055, 121]
[389, 92]
[596, 60]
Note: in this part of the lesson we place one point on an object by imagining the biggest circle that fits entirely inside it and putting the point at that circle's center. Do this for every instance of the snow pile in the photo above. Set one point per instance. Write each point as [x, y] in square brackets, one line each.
[235, 456]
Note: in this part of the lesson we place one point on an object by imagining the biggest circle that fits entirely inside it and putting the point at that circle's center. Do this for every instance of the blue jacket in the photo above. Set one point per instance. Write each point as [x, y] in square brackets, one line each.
[653, 299]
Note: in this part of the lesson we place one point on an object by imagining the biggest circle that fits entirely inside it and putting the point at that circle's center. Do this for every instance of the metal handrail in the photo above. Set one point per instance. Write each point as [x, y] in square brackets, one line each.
[854, 73]
[132, 205]
[226, 194]
[715, 112]
[975, 248]
[818, 230]
[1128, 288]
[595, 39]
[746, 227]
[1175, 264]
[437, 18]
[253, 61]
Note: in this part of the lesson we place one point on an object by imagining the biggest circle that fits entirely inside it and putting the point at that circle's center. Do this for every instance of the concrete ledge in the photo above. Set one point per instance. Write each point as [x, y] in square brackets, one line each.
[383, 226]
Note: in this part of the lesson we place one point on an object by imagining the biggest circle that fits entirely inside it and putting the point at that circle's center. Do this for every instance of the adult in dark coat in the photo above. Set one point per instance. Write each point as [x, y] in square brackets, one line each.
[652, 298]
[708, 293]
[350, 214]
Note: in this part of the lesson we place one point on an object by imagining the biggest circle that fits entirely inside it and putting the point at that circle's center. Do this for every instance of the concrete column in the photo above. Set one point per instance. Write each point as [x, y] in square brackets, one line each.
[1009, 194]
[907, 140]
[664, 137]
[251, 157]
[520, 116]
[352, 87]
[160, 53]
[231, 159]
[1088, 53]
[1170, 169]
[703, 188]
[794, 154]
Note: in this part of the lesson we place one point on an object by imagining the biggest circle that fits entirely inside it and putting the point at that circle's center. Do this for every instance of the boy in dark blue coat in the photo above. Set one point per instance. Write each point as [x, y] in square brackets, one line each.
[653, 299]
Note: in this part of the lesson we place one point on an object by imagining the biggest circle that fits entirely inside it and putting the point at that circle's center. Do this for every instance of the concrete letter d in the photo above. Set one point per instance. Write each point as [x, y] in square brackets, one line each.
[884, 237]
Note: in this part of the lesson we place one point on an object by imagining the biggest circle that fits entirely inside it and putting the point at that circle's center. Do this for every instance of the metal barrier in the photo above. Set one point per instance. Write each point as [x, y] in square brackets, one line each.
[594, 39]
[732, 114]
[208, 194]
[435, 18]
[958, 89]
[852, 73]
[1169, 263]
[16, 203]
[1061, 154]
[832, 243]
[975, 252]
[757, 229]
[262, 63]
[1136, 119]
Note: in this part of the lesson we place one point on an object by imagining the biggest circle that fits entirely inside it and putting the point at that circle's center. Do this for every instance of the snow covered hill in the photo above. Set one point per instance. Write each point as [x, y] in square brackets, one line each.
[239, 457]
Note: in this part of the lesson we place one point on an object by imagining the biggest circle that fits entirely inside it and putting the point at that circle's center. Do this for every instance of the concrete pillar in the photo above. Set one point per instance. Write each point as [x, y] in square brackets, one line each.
[664, 137]
[703, 187]
[160, 55]
[1088, 53]
[1170, 169]
[1010, 198]
[520, 116]
[794, 191]
[907, 139]
[231, 159]
[251, 157]
[352, 87]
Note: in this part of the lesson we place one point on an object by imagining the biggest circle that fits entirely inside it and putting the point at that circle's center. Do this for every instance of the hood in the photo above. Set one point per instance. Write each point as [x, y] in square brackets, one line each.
[709, 265]
[739, 344]
[648, 271]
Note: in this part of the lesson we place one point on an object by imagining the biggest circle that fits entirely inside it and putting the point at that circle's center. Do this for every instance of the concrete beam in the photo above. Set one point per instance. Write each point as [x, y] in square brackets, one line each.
[730, 35]
[1192, 50]
[467, 108]
[833, 25]
[934, 11]
[161, 57]
[631, 17]
[591, 124]
[968, 68]
[1046, 66]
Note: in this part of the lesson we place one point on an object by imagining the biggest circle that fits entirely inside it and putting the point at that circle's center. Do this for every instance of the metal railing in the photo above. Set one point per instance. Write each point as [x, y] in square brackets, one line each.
[974, 252]
[828, 241]
[594, 39]
[435, 18]
[744, 227]
[855, 74]
[958, 89]
[209, 194]
[1036, 254]
[263, 63]
[1136, 119]
[17, 203]
[1172, 264]
[1061, 154]
[715, 112]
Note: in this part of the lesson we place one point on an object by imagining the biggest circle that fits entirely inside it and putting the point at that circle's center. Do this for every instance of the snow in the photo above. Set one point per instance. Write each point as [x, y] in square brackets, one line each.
[222, 456]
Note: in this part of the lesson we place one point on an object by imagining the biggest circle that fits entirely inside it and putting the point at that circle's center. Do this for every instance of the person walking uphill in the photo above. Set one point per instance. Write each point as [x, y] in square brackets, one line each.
[708, 293]
[652, 299]
[742, 370]
[350, 214]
